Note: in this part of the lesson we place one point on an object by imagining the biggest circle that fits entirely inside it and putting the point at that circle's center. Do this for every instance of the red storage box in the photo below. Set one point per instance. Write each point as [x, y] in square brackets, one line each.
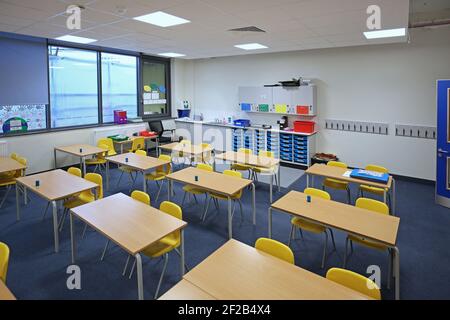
[304, 126]
[302, 109]
[147, 133]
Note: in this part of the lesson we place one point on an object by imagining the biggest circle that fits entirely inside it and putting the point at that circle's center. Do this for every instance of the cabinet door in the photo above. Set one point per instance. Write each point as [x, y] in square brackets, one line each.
[305, 96]
[255, 95]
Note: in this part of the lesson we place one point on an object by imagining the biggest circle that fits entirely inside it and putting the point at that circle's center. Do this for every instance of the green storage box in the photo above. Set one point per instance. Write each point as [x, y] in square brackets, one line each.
[118, 137]
[263, 108]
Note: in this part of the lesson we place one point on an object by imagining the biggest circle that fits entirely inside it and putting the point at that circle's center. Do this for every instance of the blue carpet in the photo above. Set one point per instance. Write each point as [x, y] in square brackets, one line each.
[36, 272]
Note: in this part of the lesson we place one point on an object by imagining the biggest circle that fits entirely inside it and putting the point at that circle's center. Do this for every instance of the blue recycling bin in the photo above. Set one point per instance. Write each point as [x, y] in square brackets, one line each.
[184, 113]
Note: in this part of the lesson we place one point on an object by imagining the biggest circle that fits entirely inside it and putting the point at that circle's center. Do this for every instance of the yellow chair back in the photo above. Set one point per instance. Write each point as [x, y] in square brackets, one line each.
[166, 169]
[354, 281]
[108, 142]
[246, 151]
[141, 196]
[22, 160]
[372, 205]
[275, 248]
[95, 178]
[138, 144]
[236, 174]
[313, 192]
[337, 164]
[14, 156]
[175, 211]
[376, 168]
[204, 166]
[141, 152]
[265, 153]
[75, 171]
[4, 261]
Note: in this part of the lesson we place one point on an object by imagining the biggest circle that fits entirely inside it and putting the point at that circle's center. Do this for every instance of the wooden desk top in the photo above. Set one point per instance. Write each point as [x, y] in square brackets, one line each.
[248, 159]
[133, 138]
[56, 184]
[337, 173]
[237, 271]
[368, 224]
[184, 290]
[5, 294]
[8, 164]
[136, 161]
[131, 224]
[211, 181]
[187, 148]
[87, 149]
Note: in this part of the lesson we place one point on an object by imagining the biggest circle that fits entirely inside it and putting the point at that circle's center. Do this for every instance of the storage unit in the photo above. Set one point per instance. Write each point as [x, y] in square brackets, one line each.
[237, 137]
[260, 140]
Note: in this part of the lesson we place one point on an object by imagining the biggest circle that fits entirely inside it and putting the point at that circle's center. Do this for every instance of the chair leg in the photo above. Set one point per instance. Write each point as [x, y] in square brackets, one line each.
[242, 212]
[291, 235]
[104, 250]
[349, 199]
[84, 231]
[126, 265]
[216, 203]
[332, 239]
[301, 233]
[5, 196]
[120, 178]
[63, 218]
[45, 212]
[324, 250]
[345, 254]
[166, 260]
[195, 198]
[159, 190]
[184, 198]
[132, 269]
[206, 210]
[179, 254]
[351, 247]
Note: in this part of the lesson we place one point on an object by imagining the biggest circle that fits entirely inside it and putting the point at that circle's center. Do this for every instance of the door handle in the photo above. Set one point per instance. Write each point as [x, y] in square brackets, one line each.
[442, 151]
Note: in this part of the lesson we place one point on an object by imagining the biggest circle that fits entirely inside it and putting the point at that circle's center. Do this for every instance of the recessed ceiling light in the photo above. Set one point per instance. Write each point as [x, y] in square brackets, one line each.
[161, 19]
[172, 55]
[75, 39]
[251, 46]
[389, 33]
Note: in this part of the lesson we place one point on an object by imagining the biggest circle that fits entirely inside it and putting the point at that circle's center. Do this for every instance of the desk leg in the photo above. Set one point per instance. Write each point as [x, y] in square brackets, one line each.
[394, 187]
[145, 181]
[140, 280]
[54, 155]
[270, 222]
[17, 202]
[25, 197]
[307, 180]
[182, 253]
[384, 196]
[55, 225]
[254, 203]
[230, 220]
[169, 189]
[72, 238]
[83, 160]
[397, 272]
[157, 146]
[121, 148]
[107, 175]
[279, 177]
[271, 189]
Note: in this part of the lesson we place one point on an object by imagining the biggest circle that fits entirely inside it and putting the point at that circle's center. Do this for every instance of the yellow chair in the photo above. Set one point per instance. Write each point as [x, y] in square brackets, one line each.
[138, 144]
[189, 189]
[166, 244]
[206, 156]
[235, 197]
[130, 170]
[303, 224]
[355, 282]
[84, 197]
[4, 261]
[375, 190]
[141, 153]
[10, 180]
[141, 196]
[243, 167]
[160, 173]
[335, 183]
[272, 170]
[109, 143]
[275, 248]
[99, 159]
[9, 174]
[381, 208]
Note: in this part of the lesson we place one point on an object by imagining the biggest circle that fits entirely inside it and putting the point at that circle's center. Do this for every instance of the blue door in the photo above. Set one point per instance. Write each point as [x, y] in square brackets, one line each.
[443, 143]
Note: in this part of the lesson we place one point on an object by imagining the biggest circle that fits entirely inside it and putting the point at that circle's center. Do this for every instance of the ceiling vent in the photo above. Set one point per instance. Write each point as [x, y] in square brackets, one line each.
[248, 29]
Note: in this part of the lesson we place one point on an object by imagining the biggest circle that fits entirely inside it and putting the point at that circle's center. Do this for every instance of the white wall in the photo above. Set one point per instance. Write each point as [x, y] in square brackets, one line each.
[385, 83]
[38, 148]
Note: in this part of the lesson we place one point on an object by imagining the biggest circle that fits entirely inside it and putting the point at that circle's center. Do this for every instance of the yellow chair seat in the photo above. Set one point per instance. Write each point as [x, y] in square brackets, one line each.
[155, 176]
[263, 170]
[7, 182]
[367, 243]
[95, 161]
[335, 184]
[127, 169]
[73, 203]
[373, 190]
[194, 190]
[240, 167]
[307, 225]
[222, 197]
[161, 247]
[7, 175]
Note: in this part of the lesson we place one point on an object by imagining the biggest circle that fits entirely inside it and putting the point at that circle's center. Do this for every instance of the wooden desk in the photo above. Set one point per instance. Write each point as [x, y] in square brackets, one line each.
[135, 161]
[237, 271]
[350, 219]
[338, 173]
[191, 149]
[74, 150]
[129, 141]
[213, 182]
[184, 290]
[130, 224]
[255, 161]
[5, 294]
[54, 186]
[7, 164]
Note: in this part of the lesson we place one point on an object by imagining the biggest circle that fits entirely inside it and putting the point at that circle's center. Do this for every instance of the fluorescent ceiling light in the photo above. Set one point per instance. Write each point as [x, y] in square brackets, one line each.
[75, 39]
[172, 55]
[251, 46]
[161, 19]
[389, 33]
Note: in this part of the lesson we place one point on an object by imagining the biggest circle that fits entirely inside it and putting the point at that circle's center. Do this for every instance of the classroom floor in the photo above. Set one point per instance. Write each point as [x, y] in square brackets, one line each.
[36, 272]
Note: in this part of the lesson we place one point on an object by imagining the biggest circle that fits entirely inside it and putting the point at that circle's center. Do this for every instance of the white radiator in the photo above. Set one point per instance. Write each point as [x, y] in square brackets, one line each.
[109, 131]
[3, 148]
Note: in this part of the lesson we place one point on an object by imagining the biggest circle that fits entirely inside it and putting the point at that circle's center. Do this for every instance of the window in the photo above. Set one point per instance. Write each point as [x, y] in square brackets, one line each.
[119, 85]
[155, 87]
[73, 87]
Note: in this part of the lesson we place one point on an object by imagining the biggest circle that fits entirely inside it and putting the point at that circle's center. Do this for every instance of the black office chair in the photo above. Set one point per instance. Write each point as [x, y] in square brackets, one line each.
[156, 126]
